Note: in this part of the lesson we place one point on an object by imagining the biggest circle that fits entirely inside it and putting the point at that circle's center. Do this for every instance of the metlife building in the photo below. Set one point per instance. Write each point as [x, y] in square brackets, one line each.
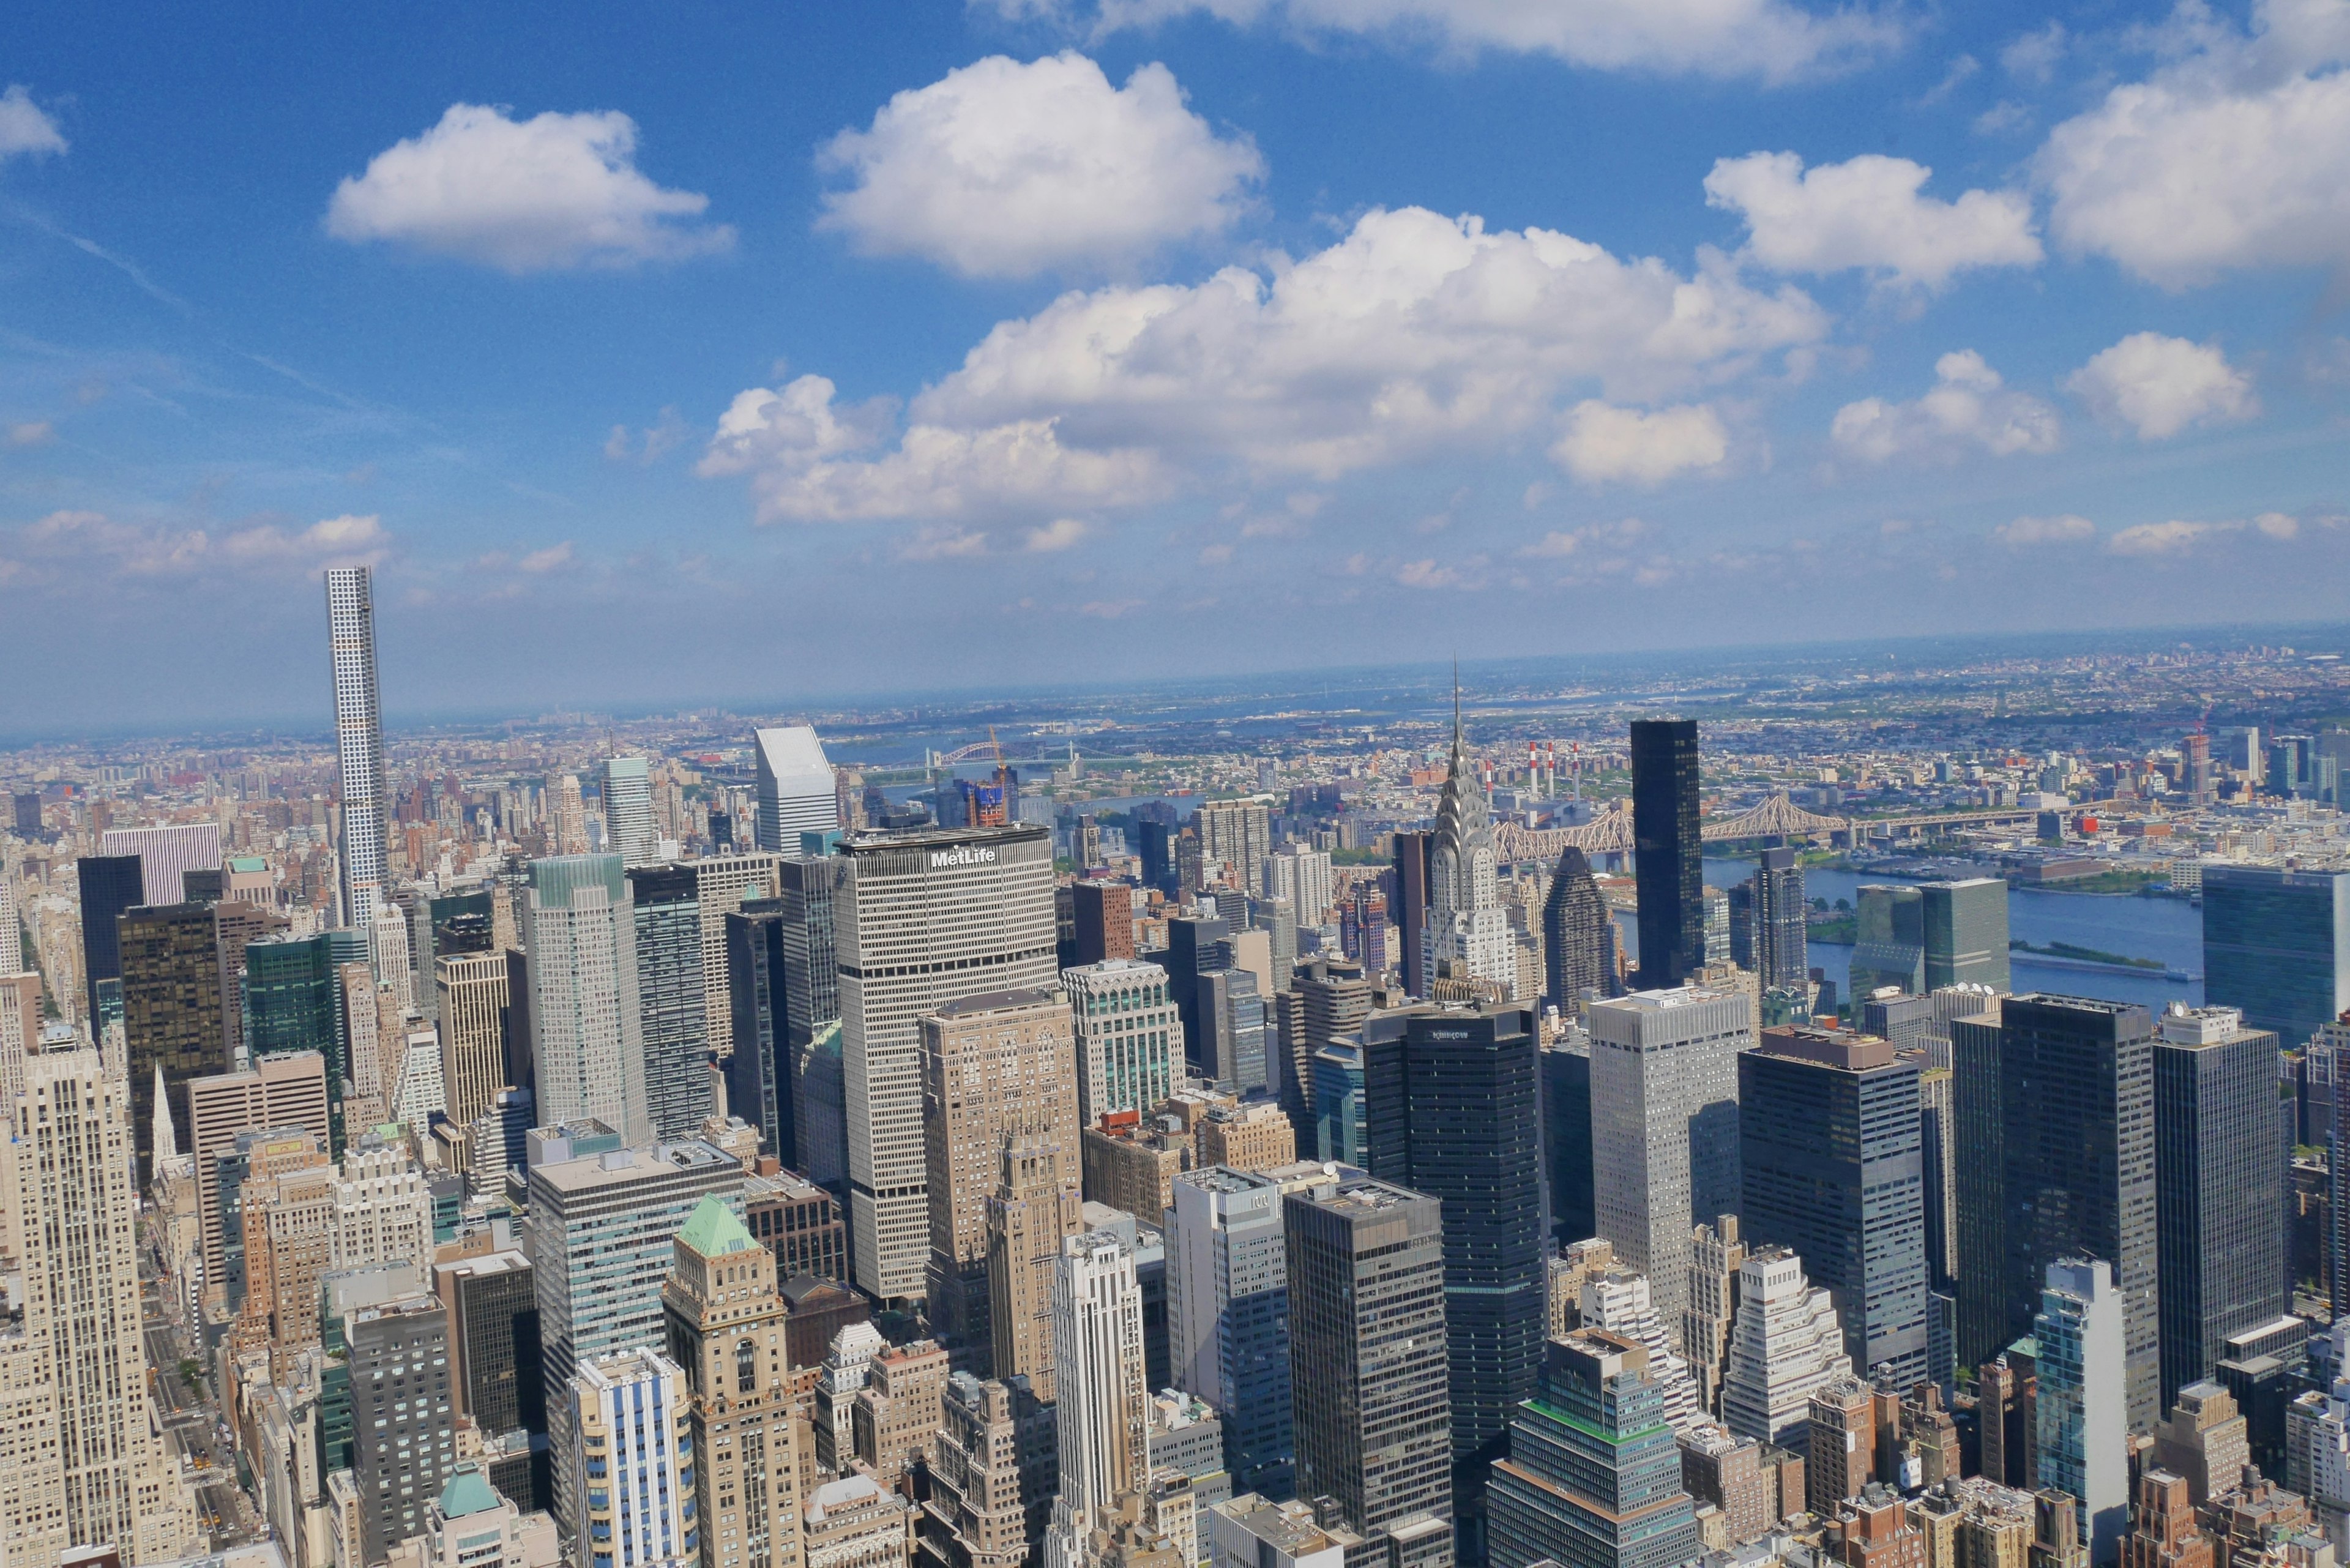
[921, 919]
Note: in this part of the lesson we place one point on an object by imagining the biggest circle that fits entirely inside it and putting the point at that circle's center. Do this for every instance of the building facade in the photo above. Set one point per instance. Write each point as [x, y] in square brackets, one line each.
[996, 1066]
[358, 739]
[586, 1043]
[2218, 1188]
[1128, 1036]
[2276, 945]
[1667, 851]
[1664, 1126]
[1832, 1168]
[1452, 1110]
[1594, 1474]
[727, 1331]
[923, 918]
[1366, 1353]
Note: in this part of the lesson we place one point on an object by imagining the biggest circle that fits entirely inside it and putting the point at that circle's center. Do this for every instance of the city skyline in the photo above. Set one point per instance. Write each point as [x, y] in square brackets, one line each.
[787, 330]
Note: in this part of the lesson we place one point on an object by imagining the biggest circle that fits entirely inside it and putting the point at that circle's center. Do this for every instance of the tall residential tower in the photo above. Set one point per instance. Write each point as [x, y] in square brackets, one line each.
[358, 738]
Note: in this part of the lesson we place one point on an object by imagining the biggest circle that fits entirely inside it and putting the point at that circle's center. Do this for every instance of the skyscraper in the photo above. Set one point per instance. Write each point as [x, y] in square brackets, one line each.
[1035, 1207]
[1104, 916]
[2075, 1152]
[166, 854]
[721, 884]
[1567, 1136]
[1468, 932]
[628, 1461]
[601, 1228]
[358, 738]
[2276, 945]
[172, 1011]
[795, 786]
[471, 988]
[2218, 1188]
[995, 1066]
[1594, 1473]
[727, 1331]
[287, 1091]
[1785, 1345]
[1104, 1404]
[587, 1042]
[1227, 1310]
[1413, 851]
[500, 1377]
[1889, 948]
[108, 885]
[2085, 1404]
[1664, 1127]
[629, 828]
[76, 1222]
[923, 918]
[404, 1421]
[1965, 928]
[674, 1019]
[1452, 1110]
[1097, 1365]
[1832, 1168]
[1128, 1037]
[1578, 935]
[1781, 929]
[1366, 1353]
[1239, 833]
[759, 1071]
[1667, 848]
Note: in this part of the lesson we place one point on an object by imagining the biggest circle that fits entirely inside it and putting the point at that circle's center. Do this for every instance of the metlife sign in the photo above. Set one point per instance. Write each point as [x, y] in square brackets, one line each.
[962, 855]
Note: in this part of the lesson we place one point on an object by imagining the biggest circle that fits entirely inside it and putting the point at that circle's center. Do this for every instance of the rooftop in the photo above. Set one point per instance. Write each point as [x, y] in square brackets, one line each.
[467, 1493]
[713, 1229]
[998, 1001]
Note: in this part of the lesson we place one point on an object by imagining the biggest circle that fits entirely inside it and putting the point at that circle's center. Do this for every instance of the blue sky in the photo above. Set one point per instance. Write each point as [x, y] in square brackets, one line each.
[763, 352]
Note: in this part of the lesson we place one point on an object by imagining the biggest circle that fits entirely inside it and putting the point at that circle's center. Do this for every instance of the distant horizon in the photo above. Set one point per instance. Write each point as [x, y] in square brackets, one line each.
[1291, 681]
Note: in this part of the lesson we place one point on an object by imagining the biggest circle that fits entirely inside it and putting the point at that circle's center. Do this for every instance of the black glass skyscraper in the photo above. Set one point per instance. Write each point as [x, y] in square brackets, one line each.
[1566, 1138]
[1578, 935]
[110, 885]
[758, 1074]
[1667, 850]
[1453, 1105]
[1831, 1169]
[2218, 1155]
[2067, 1148]
[1195, 945]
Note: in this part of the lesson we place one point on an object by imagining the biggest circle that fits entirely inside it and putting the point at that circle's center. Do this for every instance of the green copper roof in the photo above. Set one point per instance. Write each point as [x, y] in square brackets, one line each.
[466, 1493]
[714, 1229]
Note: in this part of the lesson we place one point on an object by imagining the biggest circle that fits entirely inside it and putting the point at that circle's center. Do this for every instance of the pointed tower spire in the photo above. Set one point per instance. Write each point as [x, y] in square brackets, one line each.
[1456, 701]
[167, 1143]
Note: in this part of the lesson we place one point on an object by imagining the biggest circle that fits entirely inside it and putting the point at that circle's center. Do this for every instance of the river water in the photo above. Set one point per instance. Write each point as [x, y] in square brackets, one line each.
[2170, 929]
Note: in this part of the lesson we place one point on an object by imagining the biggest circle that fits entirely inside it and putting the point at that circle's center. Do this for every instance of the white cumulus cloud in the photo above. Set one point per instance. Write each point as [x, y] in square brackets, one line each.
[1604, 442]
[2159, 386]
[1058, 534]
[2235, 154]
[552, 191]
[1969, 408]
[2170, 538]
[1769, 39]
[2065, 529]
[1415, 336]
[24, 128]
[73, 548]
[1866, 213]
[1002, 169]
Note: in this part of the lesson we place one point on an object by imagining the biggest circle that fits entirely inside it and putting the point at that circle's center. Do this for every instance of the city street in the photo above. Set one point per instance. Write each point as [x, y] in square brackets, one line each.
[192, 1425]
